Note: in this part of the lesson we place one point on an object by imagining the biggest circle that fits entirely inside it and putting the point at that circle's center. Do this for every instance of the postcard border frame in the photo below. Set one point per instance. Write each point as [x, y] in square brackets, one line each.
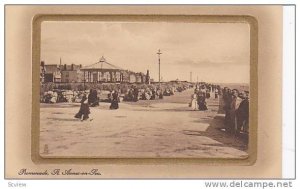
[253, 120]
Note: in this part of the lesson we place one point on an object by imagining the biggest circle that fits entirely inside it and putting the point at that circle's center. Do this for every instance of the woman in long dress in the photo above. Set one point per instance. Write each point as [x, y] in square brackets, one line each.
[201, 102]
[84, 110]
[115, 100]
[194, 102]
[93, 98]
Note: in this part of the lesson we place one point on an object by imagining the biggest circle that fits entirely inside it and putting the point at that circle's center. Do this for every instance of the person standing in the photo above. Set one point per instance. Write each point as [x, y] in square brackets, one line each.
[84, 110]
[242, 115]
[115, 100]
[136, 94]
[197, 90]
[160, 93]
[203, 90]
[201, 101]
[153, 96]
[235, 102]
[93, 98]
[216, 93]
[194, 103]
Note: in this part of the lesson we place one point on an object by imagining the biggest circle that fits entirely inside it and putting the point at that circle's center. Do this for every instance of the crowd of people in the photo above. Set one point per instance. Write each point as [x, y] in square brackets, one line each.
[236, 103]
[150, 93]
[236, 107]
[116, 94]
[132, 93]
[201, 93]
[92, 100]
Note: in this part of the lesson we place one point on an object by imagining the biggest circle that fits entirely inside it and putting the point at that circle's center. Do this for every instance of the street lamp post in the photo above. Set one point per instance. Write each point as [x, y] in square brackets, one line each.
[159, 53]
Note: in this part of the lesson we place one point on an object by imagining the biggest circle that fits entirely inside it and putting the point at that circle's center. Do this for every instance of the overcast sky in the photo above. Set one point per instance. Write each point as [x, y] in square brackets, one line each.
[218, 52]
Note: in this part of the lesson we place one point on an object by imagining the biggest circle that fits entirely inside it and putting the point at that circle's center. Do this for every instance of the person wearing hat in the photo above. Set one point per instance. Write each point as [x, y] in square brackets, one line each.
[135, 94]
[194, 103]
[216, 93]
[235, 102]
[93, 98]
[242, 114]
[84, 110]
[201, 101]
[115, 100]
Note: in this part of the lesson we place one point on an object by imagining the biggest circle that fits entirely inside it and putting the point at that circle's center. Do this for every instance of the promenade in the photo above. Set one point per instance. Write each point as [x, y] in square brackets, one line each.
[152, 129]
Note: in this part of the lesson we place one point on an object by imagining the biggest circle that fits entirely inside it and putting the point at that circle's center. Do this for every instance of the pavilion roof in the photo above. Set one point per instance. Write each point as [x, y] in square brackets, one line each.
[102, 64]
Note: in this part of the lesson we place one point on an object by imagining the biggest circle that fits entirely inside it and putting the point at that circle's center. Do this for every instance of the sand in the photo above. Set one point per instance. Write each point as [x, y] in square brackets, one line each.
[151, 129]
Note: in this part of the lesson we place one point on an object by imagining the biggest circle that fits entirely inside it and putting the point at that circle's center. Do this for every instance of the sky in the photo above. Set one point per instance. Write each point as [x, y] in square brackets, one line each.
[213, 52]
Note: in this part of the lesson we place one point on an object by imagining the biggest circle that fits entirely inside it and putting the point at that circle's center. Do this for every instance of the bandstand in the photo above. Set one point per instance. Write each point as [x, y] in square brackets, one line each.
[105, 72]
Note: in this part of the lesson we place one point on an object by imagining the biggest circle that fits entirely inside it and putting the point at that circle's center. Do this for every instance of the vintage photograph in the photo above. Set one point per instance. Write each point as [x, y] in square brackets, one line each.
[144, 89]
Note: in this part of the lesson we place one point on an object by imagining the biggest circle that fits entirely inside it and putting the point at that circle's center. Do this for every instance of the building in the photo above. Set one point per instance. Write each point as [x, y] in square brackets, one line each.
[71, 73]
[60, 73]
[50, 72]
[42, 72]
[105, 72]
[99, 72]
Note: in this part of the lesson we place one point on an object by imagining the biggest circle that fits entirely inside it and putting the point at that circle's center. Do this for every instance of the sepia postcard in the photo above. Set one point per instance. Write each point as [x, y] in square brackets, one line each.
[137, 91]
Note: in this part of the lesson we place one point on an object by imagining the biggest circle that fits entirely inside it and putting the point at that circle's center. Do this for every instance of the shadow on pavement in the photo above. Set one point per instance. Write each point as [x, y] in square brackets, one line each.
[216, 131]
